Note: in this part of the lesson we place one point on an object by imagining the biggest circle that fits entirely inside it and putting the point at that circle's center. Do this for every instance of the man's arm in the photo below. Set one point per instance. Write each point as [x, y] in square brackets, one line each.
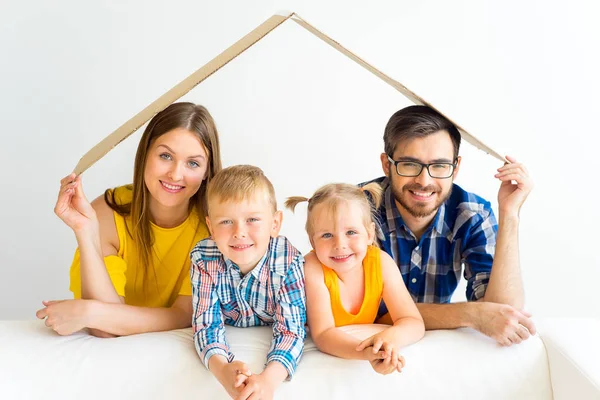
[506, 285]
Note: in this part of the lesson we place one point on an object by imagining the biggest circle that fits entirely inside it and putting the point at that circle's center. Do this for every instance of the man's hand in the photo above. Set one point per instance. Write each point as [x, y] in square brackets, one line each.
[233, 376]
[503, 323]
[512, 196]
[65, 316]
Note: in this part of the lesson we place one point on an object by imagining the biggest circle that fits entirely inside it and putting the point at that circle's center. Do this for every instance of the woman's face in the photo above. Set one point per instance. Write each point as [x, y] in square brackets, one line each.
[176, 165]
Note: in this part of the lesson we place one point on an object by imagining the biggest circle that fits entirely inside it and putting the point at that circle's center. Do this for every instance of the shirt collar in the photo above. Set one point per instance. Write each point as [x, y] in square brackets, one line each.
[271, 261]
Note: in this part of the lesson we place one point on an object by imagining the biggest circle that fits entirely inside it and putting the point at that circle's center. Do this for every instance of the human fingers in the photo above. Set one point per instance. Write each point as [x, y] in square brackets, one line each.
[42, 313]
[50, 302]
[242, 368]
[247, 391]
[527, 322]
[515, 338]
[69, 178]
[522, 332]
[364, 344]
[401, 363]
[240, 379]
[394, 356]
[377, 343]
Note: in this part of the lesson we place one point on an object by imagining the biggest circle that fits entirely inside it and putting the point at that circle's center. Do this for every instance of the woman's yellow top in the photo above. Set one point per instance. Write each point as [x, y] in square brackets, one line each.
[373, 291]
[170, 257]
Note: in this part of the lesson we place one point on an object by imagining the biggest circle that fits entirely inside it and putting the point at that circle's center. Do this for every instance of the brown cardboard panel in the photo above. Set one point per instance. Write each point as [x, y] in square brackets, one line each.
[395, 84]
[125, 130]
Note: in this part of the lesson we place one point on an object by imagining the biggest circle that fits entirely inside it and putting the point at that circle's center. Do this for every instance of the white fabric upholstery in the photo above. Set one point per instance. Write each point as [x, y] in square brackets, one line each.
[574, 353]
[35, 363]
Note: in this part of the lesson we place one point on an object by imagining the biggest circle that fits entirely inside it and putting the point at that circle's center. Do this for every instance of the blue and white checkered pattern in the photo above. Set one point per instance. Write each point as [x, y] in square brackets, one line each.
[463, 232]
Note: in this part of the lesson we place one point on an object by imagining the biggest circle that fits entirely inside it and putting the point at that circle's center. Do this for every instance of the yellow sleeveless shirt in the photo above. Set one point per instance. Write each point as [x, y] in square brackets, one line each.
[170, 257]
[373, 291]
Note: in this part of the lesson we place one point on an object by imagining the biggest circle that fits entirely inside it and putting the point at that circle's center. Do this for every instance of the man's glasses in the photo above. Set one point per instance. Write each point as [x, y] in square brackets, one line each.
[414, 168]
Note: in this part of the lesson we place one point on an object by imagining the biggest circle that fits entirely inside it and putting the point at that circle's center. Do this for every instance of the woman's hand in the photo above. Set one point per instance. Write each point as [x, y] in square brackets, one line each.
[65, 317]
[72, 206]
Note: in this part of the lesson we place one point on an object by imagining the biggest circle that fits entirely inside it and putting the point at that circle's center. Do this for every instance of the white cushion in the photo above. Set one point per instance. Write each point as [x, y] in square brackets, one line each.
[574, 355]
[456, 364]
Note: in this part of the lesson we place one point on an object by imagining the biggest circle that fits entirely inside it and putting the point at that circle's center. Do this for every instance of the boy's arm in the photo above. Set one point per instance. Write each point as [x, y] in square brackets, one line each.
[207, 319]
[289, 329]
[328, 338]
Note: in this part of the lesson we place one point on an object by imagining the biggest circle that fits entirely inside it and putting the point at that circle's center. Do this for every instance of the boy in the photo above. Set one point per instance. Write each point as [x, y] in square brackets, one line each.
[246, 275]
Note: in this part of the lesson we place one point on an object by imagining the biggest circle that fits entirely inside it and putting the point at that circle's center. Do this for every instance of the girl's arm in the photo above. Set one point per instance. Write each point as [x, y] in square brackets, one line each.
[408, 326]
[327, 337]
[407, 321]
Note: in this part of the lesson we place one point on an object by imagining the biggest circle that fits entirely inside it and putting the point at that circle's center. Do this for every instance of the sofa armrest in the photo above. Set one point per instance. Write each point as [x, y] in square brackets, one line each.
[573, 356]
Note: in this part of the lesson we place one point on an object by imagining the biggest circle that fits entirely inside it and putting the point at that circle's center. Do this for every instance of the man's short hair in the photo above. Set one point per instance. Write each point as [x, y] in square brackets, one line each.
[417, 122]
[238, 183]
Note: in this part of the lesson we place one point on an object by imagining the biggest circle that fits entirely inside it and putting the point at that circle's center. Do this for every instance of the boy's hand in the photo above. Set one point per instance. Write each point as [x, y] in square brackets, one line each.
[263, 385]
[257, 387]
[232, 376]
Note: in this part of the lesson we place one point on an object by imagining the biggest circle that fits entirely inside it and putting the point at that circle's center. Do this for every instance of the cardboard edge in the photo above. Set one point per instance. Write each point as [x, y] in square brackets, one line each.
[183, 87]
[409, 94]
[179, 90]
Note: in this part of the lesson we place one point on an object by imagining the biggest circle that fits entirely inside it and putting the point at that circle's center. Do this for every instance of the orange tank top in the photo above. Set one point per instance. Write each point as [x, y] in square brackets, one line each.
[373, 291]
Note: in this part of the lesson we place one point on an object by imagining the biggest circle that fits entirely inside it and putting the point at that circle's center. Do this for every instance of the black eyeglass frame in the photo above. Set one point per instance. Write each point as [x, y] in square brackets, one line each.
[426, 166]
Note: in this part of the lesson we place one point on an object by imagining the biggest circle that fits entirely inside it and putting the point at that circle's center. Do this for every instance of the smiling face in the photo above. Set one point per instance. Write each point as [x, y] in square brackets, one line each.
[243, 229]
[340, 237]
[175, 167]
[422, 195]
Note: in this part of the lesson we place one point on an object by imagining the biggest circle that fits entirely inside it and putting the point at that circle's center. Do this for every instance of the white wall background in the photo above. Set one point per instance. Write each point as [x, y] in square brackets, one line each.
[520, 75]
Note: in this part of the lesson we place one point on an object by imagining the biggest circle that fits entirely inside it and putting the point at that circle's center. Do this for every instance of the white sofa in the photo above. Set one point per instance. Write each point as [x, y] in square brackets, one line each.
[561, 363]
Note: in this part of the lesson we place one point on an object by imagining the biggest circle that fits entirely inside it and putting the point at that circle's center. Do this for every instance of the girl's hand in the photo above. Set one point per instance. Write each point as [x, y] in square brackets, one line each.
[388, 365]
[72, 206]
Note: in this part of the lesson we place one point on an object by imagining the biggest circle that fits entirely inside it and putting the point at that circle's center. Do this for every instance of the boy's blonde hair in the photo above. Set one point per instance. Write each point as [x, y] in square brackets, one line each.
[333, 194]
[238, 183]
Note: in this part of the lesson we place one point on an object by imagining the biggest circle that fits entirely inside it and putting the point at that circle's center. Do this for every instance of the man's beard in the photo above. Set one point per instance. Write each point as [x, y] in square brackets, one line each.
[419, 210]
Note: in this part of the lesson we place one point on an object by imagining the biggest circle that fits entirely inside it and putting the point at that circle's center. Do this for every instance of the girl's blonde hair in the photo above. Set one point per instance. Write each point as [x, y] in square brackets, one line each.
[334, 193]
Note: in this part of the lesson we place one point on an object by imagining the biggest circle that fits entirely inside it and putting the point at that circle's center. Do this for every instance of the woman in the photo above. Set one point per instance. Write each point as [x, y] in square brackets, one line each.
[130, 273]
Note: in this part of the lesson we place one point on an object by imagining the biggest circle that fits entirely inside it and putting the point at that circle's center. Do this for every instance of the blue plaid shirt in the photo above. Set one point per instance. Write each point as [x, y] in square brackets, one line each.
[271, 294]
[463, 232]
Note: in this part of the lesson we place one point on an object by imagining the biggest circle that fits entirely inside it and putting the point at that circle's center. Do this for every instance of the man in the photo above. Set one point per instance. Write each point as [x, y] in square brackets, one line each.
[432, 227]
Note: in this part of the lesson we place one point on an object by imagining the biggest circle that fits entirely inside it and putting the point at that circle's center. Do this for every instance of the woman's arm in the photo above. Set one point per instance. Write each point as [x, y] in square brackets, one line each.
[112, 319]
[122, 319]
[323, 331]
[96, 233]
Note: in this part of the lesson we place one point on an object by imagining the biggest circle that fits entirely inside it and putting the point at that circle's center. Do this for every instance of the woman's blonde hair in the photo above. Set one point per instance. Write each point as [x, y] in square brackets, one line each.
[194, 118]
[333, 194]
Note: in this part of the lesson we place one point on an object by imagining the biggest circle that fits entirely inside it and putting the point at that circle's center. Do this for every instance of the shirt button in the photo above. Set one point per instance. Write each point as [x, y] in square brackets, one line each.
[414, 280]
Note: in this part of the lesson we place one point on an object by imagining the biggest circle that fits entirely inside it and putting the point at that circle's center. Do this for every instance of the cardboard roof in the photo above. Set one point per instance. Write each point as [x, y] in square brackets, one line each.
[125, 130]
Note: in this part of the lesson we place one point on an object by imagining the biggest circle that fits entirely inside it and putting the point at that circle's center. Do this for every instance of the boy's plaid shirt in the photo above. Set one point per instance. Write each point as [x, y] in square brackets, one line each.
[271, 294]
